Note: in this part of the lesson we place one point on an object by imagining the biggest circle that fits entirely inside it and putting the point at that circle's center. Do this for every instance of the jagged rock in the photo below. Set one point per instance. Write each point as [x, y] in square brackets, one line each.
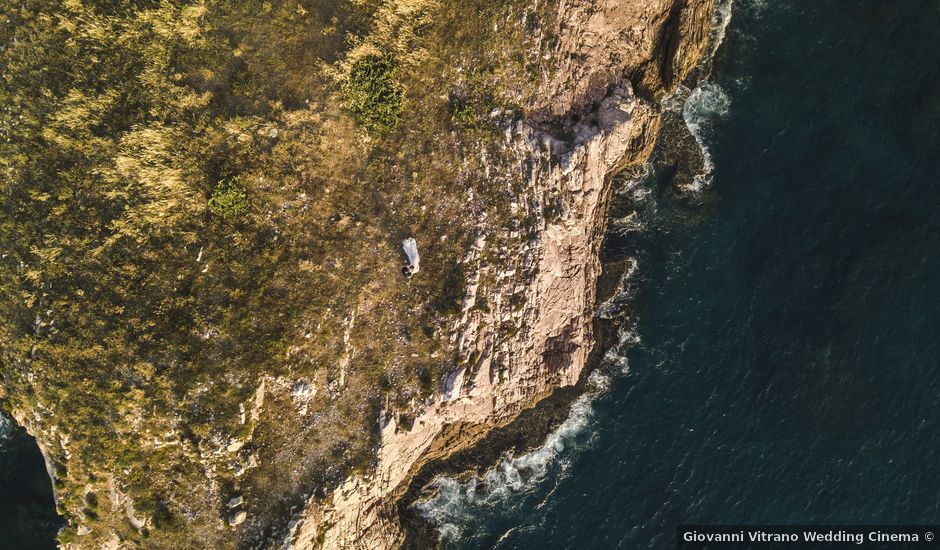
[82, 530]
[132, 517]
[238, 518]
[301, 389]
[558, 298]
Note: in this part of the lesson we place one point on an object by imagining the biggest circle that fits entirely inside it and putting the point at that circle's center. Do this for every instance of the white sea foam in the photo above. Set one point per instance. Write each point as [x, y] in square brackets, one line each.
[613, 307]
[706, 104]
[617, 308]
[455, 503]
[638, 192]
[6, 428]
[630, 223]
[700, 108]
[721, 18]
[635, 186]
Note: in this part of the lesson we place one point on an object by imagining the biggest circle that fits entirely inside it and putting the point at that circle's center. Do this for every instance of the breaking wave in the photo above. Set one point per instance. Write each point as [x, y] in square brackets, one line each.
[6, 429]
[638, 191]
[455, 504]
[721, 18]
[706, 104]
[613, 307]
[702, 106]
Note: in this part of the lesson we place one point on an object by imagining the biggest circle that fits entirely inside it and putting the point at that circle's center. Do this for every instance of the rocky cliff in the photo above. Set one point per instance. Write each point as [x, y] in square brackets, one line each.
[204, 319]
[545, 290]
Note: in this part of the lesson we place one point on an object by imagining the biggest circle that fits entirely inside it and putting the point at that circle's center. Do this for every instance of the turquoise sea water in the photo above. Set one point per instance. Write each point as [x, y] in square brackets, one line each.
[784, 364]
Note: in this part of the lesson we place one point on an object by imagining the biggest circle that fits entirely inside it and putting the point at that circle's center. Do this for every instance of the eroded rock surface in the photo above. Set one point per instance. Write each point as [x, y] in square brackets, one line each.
[212, 339]
[546, 292]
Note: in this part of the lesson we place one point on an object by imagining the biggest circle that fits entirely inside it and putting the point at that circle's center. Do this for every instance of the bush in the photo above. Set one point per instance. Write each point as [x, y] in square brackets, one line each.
[229, 200]
[373, 95]
[463, 113]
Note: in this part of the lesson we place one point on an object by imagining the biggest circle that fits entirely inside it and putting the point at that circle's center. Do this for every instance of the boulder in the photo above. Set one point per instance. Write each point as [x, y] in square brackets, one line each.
[238, 518]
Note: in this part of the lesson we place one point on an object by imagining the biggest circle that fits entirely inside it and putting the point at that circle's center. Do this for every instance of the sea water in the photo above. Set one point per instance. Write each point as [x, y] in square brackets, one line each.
[28, 518]
[779, 359]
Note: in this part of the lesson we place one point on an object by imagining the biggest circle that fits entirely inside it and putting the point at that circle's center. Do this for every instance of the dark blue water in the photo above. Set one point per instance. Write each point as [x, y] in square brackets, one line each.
[28, 519]
[789, 368]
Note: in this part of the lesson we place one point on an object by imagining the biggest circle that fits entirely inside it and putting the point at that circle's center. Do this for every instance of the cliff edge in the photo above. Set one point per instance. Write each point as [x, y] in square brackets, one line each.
[204, 317]
[546, 289]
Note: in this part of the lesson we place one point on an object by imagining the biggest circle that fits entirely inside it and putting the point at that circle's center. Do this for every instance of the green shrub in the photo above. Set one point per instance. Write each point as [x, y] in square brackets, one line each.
[463, 113]
[229, 200]
[66, 535]
[373, 95]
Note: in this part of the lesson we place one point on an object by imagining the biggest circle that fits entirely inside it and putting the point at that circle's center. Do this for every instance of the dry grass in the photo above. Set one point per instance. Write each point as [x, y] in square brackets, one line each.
[300, 282]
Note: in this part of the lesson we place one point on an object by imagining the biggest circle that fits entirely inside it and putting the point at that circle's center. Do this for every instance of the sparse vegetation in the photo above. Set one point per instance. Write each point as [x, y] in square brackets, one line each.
[137, 324]
[463, 113]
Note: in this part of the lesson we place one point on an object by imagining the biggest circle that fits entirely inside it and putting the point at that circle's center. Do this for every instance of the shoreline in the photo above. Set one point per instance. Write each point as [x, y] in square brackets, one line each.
[511, 385]
[526, 434]
[476, 410]
[678, 160]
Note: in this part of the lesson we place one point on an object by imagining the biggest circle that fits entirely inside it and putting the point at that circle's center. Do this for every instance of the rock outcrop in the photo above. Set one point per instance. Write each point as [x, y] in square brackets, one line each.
[213, 379]
[545, 292]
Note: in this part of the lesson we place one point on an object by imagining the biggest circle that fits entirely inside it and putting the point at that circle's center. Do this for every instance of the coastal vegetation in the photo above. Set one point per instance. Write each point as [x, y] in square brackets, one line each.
[229, 200]
[197, 197]
[372, 94]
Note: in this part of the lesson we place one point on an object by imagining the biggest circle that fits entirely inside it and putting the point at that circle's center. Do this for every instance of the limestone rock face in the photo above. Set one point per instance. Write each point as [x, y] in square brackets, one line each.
[546, 292]
[654, 43]
[238, 518]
